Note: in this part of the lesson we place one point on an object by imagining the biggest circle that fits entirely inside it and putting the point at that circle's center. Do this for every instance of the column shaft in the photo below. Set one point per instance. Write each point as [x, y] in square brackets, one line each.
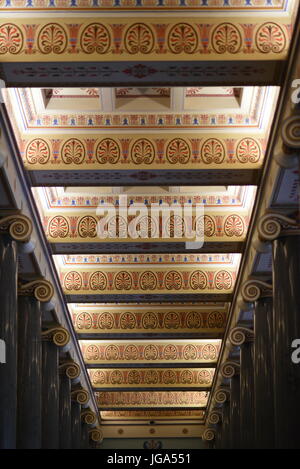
[65, 412]
[29, 426]
[8, 334]
[286, 326]
[84, 436]
[76, 425]
[263, 374]
[247, 395]
[226, 434]
[50, 396]
[235, 412]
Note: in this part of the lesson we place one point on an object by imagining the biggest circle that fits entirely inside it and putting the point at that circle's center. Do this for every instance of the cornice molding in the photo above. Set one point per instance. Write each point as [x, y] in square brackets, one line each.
[41, 289]
[18, 226]
[59, 335]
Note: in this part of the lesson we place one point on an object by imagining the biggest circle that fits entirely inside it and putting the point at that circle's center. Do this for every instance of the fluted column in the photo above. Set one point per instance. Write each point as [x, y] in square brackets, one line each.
[243, 337]
[260, 293]
[285, 234]
[79, 397]
[13, 229]
[52, 339]
[8, 334]
[29, 421]
[230, 370]
[68, 371]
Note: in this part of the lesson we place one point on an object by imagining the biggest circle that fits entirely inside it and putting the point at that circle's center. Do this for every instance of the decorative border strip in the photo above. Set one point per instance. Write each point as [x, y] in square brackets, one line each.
[146, 352]
[150, 321]
[142, 153]
[151, 414]
[123, 39]
[129, 5]
[93, 281]
[83, 229]
[152, 377]
[152, 399]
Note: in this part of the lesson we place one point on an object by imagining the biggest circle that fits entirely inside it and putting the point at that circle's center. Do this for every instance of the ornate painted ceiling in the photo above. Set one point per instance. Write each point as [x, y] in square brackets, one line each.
[149, 305]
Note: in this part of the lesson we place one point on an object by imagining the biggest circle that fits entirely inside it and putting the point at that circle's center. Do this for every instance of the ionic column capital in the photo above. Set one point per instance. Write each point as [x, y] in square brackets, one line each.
[272, 225]
[18, 226]
[88, 416]
[254, 289]
[214, 417]
[59, 335]
[222, 394]
[229, 369]
[71, 369]
[209, 434]
[41, 289]
[96, 434]
[290, 132]
[80, 395]
[239, 335]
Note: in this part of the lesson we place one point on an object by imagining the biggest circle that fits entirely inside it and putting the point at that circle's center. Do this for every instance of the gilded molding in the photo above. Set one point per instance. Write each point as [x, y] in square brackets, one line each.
[229, 369]
[18, 226]
[71, 369]
[41, 289]
[80, 395]
[272, 225]
[214, 417]
[59, 335]
[89, 417]
[96, 435]
[209, 434]
[254, 289]
[239, 335]
[222, 395]
[290, 132]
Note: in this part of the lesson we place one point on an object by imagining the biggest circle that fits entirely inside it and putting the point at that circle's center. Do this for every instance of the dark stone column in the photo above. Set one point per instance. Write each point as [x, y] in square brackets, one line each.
[263, 374]
[50, 396]
[247, 395]
[226, 433]
[29, 426]
[65, 440]
[53, 338]
[8, 334]
[84, 436]
[235, 428]
[286, 324]
[76, 425]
